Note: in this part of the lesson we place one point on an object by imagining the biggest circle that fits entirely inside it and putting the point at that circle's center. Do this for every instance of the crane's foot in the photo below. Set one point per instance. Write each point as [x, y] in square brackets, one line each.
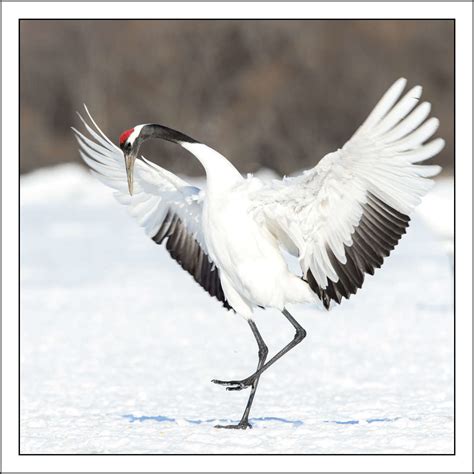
[243, 425]
[236, 384]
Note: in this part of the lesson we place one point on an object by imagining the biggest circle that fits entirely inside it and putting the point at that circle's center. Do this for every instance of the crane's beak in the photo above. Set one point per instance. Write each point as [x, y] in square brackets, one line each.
[129, 163]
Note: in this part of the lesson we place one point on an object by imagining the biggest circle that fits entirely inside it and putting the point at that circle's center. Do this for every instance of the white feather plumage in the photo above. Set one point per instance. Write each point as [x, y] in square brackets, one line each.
[242, 224]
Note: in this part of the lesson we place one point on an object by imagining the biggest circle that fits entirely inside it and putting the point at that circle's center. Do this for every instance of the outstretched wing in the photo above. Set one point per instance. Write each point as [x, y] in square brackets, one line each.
[165, 205]
[343, 217]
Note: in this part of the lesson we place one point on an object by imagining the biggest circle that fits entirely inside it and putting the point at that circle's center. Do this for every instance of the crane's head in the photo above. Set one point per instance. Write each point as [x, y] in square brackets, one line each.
[131, 140]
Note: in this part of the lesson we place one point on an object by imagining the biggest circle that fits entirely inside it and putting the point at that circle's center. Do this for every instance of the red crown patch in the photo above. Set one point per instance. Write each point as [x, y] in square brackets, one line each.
[125, 135]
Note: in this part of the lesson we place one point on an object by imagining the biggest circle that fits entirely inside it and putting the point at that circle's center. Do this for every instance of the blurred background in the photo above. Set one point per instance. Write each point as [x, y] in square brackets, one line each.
[266, 94]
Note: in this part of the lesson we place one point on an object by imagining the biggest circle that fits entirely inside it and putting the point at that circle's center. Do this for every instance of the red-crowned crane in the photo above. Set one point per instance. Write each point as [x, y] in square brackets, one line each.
[340, 218]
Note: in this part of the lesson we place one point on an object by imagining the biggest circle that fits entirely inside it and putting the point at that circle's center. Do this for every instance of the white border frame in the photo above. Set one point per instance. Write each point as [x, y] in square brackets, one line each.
[462, 12]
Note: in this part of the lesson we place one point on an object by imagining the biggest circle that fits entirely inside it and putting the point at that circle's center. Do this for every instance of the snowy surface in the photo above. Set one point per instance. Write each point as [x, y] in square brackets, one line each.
[118, 344]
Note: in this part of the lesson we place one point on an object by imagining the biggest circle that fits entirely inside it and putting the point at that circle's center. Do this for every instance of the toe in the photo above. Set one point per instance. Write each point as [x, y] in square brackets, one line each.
[240, 426]
[224, 382]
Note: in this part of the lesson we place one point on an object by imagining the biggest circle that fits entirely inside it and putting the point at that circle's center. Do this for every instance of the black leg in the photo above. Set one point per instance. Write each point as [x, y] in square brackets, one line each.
[245, 383]
[262, 356]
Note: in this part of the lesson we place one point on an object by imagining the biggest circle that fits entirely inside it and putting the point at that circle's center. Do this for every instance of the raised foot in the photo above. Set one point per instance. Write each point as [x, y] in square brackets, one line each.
[235, 384]
[241, 426]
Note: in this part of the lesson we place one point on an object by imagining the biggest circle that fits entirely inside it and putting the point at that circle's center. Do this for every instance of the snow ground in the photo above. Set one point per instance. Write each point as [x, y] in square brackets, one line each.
[118, 344]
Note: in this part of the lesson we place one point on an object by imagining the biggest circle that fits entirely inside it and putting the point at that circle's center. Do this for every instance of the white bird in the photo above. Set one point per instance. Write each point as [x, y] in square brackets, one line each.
[340, 218]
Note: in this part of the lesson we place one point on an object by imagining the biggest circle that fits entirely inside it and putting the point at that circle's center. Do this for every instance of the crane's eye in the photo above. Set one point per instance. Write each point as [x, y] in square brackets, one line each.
[128, 146]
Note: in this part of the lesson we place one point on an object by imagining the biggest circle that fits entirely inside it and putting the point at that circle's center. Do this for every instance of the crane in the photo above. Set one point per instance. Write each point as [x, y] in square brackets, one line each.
[341, 219]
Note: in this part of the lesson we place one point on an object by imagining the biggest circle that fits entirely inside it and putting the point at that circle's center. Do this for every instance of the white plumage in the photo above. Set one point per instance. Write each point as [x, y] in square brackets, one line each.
[340, 218]
[320, 210]
[242, 224]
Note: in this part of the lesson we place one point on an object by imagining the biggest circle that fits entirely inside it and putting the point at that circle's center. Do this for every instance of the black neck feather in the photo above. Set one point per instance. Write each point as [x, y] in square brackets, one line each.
[154, 130]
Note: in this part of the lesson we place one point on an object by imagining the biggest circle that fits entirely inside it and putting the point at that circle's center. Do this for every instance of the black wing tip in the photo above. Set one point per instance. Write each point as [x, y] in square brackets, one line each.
[322, 294]
[327, 302]
[379, 231]
[186, 251]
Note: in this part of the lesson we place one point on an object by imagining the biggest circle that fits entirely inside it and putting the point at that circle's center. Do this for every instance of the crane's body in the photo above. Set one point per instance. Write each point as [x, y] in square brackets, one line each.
[340, 219]
[252, 267]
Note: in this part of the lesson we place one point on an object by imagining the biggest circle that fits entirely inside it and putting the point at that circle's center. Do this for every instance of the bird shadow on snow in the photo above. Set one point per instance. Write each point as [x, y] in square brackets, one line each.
[253, 421]
[166, 419]
[368, 420]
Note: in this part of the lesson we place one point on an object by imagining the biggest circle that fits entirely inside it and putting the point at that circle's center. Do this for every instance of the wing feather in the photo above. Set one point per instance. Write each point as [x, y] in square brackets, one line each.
[349, 212]
[166, 206]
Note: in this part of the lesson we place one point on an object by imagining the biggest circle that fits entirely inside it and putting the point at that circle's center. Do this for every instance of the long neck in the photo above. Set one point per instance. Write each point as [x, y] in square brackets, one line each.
[221, 173]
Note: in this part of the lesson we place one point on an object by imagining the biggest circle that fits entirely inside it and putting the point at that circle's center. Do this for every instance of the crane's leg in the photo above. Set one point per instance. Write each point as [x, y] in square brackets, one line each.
[262, 356]
[245, 383]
